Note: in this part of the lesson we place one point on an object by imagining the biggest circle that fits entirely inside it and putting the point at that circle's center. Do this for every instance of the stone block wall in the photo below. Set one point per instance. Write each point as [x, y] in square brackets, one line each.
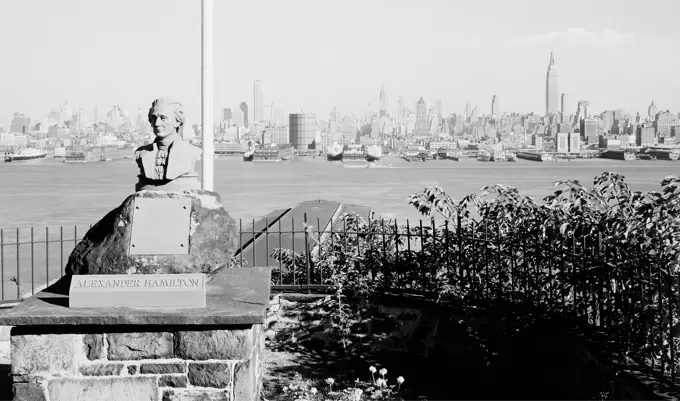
[175, 363]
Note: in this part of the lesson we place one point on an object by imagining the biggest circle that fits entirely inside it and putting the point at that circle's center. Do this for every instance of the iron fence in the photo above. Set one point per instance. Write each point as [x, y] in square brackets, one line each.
[34, 258]
[616, 290]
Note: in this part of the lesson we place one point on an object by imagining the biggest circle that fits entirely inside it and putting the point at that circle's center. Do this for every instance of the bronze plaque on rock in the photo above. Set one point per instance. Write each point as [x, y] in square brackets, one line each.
[160, 226]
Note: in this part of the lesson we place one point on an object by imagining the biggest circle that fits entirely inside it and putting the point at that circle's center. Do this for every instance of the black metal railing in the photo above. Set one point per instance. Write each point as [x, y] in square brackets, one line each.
[32, 258]
[616, 290]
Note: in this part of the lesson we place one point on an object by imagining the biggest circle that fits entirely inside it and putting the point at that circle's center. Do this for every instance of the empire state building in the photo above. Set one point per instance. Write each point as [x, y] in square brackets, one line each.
[551, 94]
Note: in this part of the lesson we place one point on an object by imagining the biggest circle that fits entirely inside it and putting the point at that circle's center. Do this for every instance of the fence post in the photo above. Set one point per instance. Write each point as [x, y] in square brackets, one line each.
[240, 241]
[18, 268]
[32, 264]
[279, 254]
[47, 255]
[292, 241]
[253, 244]
[61, 247]
[266, 237]
[307, 253]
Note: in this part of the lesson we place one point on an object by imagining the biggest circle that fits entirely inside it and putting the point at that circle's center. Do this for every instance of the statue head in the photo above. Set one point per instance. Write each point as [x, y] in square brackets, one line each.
[166, 116]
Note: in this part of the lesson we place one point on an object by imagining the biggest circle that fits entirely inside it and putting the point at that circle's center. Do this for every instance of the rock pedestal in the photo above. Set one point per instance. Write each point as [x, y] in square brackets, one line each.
[213, 240]
[113, 354]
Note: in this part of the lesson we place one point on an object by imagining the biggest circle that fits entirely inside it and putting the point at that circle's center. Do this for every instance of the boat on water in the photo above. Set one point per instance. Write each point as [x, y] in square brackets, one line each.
[334, 153]
[25, 154]
[75, 156]
[535, 156]
[510, 157]
[451, 155]
[484, 155]
[354, 154]
[414, 156]
[105, 158]
[248, 156]
[618, 154]
[373, 153]
[273, 154]
[664, 154]
[497, 156]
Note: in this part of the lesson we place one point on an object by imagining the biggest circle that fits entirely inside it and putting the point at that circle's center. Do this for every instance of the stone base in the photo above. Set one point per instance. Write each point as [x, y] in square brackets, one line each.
[169, 363]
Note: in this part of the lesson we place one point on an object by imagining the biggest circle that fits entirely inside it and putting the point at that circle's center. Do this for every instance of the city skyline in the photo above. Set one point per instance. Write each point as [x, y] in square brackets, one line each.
[606, 60]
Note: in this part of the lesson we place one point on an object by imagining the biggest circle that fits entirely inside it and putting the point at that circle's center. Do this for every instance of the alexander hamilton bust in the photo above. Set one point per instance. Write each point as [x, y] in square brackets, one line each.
[168, 162]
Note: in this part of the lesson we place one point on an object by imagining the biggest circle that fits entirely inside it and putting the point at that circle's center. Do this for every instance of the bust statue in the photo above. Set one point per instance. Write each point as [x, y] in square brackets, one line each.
[168, 162]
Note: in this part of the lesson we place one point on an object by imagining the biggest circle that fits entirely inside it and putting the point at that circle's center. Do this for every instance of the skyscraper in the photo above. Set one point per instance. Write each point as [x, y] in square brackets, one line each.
[244, 108]
[422, 127]
[565, 109]
[652, 110]
[495, 107]
[551, 94]
[258, 111]
[226, 114]
[383, 101]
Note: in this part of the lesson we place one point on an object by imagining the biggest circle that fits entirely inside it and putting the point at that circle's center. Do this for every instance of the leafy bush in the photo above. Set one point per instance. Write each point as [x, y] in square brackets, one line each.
[605, 255]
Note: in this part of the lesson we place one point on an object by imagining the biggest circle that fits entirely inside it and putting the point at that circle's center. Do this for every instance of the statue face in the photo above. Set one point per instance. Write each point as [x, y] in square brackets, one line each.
[163, 120]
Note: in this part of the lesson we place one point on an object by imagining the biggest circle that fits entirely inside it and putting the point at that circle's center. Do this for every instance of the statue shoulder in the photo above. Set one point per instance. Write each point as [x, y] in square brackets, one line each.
[143, 149]
[190, 149]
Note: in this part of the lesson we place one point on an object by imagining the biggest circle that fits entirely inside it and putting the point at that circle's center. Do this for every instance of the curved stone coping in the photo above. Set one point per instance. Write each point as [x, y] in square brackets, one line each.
[234, 297]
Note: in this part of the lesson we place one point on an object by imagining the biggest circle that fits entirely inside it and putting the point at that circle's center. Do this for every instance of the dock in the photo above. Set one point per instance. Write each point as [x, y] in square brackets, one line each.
[275, 229]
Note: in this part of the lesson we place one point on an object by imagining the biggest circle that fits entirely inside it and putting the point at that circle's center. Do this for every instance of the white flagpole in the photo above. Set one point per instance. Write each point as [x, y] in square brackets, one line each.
[207, 94]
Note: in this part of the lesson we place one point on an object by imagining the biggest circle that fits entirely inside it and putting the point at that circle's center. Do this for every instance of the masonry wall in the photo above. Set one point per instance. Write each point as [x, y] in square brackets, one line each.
[170, 363]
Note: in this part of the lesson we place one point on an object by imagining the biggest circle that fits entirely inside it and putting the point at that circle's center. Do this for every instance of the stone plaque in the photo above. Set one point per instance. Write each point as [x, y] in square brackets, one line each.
[160, 226]
[138, 291]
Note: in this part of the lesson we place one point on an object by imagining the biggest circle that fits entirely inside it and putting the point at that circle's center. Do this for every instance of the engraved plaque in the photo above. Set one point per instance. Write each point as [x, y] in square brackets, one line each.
[160, 226]
[138, 291]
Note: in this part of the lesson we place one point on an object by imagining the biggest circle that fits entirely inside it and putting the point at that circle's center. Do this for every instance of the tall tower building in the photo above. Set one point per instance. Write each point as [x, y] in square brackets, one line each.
[468, 109]
[564, 110]
[383, 101]
[244, 108]
[400, 108]
[258, 102]
[551, 94]
[495, 107]
[652, 110]
[422, 126]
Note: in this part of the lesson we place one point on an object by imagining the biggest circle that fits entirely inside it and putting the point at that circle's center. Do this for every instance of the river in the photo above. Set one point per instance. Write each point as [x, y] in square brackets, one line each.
[50, 194]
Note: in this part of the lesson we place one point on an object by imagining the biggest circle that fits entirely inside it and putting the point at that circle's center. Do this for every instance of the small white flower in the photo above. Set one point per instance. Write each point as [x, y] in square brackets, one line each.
[330, 381]
[383, 371]
[381, 382]
[400, 379]
[372, 369]
[285, 389]
[313, 390]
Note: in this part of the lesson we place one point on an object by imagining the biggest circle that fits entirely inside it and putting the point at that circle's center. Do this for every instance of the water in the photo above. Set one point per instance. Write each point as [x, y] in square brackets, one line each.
[49, 193]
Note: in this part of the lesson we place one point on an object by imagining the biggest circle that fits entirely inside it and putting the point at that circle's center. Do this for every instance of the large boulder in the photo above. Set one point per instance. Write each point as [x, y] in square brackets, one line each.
[213, 240]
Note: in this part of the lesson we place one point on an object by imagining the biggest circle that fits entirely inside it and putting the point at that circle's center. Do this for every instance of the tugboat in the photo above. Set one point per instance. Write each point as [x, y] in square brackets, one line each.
[25, 154]
[334, 153]
[273, 154]
[354, 155]
[373, 153]
[483, 155]
[248, 155]
[511, 157]
[497, 156]
[75, 156]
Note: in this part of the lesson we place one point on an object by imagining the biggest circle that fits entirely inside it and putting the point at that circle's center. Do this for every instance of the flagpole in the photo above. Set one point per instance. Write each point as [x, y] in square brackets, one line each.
[207, 94]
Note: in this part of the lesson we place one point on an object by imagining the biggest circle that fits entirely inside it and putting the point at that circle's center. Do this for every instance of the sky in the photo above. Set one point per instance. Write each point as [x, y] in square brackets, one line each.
[312, 55]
